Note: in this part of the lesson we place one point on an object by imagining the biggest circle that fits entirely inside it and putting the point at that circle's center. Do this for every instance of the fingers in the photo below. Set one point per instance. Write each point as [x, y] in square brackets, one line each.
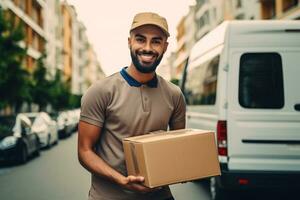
[135, 183]
[135, 179]
[141, 188]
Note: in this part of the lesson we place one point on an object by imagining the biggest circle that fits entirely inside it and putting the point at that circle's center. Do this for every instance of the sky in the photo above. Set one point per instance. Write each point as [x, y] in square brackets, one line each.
[108, 23]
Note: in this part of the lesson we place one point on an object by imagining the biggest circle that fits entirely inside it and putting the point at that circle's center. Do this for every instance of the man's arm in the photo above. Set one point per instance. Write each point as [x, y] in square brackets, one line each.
[178, 117]
[88, 134]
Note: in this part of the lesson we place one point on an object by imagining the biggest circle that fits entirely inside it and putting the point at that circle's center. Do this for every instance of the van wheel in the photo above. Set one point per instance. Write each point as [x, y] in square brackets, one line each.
[216, 192]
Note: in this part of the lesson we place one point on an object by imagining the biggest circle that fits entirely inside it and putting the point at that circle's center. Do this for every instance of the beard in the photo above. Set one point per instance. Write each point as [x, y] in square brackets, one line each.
[145, 68]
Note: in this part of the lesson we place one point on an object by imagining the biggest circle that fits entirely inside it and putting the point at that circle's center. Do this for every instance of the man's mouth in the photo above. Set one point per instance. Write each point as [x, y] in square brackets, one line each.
[147, 58]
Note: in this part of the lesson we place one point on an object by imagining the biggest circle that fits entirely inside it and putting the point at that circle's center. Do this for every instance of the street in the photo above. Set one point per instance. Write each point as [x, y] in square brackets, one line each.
[57, 175]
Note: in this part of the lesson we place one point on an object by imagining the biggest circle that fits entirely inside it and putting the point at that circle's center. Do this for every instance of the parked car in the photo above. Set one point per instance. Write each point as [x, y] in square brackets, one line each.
[74, 116]
[241, 81]
[64, 127]
[45, 128]
[17, 142]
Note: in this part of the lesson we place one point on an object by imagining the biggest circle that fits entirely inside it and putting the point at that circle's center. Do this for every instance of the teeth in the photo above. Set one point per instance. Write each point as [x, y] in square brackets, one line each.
[147, 58]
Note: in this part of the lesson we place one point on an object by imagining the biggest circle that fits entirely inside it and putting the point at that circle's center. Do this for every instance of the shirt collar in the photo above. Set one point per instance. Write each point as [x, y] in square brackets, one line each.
[132, 82]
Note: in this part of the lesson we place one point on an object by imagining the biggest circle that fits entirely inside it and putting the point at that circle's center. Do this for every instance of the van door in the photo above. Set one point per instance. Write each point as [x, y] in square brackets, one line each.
[263, 116]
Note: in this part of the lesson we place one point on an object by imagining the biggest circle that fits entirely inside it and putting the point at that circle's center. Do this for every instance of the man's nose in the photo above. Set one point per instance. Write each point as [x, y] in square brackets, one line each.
[147, 46]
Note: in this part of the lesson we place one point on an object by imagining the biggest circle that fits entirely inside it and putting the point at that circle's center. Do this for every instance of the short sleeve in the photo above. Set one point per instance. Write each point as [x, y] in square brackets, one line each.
[177, 120]
[93, 105]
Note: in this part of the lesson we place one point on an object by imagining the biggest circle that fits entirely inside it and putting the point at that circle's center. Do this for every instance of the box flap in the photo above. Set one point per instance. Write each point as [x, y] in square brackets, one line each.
[165, 135]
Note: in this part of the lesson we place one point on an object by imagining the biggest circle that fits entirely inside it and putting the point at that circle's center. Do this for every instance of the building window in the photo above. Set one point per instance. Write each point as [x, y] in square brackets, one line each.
[238, 3]
[288, 4]
[200, 3]
[41, 44]
[240, 16]
[261, 81]
[35, 41]
[22, 4]
[268, 9]
[203, 20]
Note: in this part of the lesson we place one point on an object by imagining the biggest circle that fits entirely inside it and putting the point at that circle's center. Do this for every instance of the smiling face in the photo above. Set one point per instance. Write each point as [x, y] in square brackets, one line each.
[147, 46]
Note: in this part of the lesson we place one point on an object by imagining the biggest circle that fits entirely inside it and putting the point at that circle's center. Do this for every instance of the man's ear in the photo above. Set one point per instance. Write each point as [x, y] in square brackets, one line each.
[129, 42]
[166, 46]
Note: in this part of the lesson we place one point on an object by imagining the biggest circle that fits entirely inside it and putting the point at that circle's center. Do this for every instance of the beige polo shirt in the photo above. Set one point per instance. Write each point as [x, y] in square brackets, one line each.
[124, 109]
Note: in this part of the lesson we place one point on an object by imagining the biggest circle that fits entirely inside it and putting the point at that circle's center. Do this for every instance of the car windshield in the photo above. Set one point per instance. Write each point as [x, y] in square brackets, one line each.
[6, 126]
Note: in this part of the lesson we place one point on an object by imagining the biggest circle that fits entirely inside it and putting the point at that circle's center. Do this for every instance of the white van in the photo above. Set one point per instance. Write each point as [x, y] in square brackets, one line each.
[242, 80]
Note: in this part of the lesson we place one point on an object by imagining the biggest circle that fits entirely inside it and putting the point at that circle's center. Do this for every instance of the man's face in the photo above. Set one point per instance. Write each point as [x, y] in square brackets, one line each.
[147, 46]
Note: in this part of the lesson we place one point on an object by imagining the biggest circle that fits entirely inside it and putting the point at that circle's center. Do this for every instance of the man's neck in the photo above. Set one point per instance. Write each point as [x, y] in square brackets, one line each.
[139, 76]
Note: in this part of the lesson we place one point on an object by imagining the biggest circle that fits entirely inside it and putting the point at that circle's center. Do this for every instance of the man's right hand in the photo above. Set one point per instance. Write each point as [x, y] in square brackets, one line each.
[135, 183]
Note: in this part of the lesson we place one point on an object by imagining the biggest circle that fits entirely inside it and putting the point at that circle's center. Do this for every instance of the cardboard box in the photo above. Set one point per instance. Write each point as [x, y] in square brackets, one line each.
[170, 157]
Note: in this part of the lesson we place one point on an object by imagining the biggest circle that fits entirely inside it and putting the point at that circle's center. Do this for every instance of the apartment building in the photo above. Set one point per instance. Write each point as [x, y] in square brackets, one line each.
[79, 56]
[181, 53]
[52, 27]
[92, 71]
[30, 12]
[54, 45]
[67, 34]
[80, 64]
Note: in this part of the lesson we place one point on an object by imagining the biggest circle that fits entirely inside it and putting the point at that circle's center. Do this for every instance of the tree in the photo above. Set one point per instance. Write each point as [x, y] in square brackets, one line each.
[14, 80]
[59, 92]
[40, 85]
[175, 81]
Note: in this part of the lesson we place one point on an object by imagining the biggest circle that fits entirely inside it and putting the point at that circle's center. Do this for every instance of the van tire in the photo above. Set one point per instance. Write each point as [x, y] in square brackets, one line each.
[216, 192]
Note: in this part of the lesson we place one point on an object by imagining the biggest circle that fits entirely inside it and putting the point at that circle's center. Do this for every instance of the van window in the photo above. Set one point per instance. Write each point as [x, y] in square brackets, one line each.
[201, 83]
[261, 81]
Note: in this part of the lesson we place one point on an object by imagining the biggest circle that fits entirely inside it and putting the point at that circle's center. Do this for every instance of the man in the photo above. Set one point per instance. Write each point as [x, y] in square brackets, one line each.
[132, 102]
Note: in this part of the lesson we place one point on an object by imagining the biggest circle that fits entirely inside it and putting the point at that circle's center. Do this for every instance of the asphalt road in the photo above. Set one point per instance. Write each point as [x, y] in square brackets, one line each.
[57, 175]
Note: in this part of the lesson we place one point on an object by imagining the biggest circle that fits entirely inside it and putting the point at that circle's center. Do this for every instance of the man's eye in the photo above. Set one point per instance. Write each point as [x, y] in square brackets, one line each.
[156, 41]
[140, 39]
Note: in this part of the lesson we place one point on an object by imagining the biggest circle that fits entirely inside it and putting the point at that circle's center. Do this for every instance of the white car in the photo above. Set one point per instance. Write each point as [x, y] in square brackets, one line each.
[45, 127]
[17, 142]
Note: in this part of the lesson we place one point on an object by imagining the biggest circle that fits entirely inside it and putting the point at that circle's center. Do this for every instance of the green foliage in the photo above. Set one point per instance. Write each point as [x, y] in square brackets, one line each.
[60, 95]
[14, 80]
[175, 81]
[55, 91]
[40, 85]
[74, 101]
[17, 85]
[59, 92]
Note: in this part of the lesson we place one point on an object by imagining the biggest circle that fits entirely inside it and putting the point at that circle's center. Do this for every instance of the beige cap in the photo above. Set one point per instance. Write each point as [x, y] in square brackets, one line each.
[145, 18]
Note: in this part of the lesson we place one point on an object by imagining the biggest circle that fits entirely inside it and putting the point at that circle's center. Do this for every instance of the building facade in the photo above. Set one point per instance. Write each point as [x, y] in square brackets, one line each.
[52, 28]
[31, 14]
[67, 34]
[181, 53]
[54, 45]
[80, 56]
[93, 71]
